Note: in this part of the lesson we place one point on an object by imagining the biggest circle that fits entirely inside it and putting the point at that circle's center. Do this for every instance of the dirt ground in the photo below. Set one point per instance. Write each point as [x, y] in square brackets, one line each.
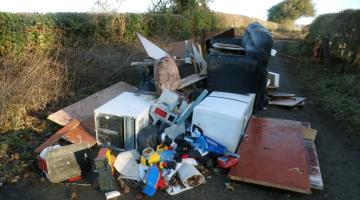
[338, 152]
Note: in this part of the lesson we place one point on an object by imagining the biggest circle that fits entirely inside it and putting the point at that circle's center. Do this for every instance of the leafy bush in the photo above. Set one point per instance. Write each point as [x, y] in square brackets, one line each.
[288, 11]
[21, 33]
[342, 29]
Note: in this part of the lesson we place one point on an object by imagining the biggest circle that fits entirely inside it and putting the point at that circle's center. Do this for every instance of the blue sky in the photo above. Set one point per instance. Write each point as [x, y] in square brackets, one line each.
[251, 8]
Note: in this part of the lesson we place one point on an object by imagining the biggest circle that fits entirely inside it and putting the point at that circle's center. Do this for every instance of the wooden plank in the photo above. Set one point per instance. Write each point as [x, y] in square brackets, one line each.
[181, 49]
[289, 102]
[56, 136]
[233, 47]
[273, 154]
[83, 109]
[200, 62]
[189, 80]
[79, 135]
[280, 95]
[315, 177]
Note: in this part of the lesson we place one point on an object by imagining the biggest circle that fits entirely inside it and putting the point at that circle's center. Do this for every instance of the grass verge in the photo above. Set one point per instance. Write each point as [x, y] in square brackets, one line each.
[337, 86]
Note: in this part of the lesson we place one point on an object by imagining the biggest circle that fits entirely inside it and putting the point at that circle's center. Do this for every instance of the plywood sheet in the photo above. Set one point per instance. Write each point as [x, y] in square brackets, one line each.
[280, 95]
[181, 49]
[79, 135]
[309, 135]
[72, 132]
[289, 102]
[315, 177]
[83, 109]
[273, 154]
[189, 80]
[56, 136]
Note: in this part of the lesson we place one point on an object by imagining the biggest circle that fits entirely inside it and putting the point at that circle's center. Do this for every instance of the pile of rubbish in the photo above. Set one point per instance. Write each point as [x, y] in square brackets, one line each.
[164, 133]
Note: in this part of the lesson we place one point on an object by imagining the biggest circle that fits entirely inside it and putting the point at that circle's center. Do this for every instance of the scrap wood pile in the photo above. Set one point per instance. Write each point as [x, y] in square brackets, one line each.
[167, 133]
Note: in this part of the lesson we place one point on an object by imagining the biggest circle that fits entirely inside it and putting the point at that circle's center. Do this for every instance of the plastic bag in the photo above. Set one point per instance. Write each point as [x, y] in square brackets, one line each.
[147, 137]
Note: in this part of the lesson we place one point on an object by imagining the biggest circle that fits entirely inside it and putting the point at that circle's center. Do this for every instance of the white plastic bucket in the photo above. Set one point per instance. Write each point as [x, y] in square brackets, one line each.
[190, 176]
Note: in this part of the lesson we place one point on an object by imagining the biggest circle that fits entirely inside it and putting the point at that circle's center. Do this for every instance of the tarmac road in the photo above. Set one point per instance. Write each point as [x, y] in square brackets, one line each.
[339, 157]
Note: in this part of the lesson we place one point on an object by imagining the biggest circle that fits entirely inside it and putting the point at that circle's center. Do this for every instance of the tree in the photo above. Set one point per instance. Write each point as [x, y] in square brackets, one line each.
[289, 10]
[178, 6]
[106, 6]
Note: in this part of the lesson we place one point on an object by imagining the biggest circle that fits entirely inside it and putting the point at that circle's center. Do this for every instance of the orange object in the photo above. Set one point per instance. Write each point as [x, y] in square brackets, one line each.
[74, 179]
[72, 132]
[273, 154]
[79, 134]
[56, 136]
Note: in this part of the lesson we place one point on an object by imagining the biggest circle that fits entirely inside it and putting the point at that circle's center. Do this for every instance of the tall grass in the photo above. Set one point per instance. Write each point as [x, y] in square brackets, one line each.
[29, 83]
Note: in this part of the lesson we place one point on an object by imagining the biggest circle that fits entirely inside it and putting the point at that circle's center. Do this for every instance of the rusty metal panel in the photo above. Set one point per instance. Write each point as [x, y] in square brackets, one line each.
[273, 154]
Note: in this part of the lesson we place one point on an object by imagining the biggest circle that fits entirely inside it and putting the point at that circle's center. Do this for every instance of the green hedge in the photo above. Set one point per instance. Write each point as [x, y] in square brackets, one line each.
[21, 33]
[40, 33]
[343, 30]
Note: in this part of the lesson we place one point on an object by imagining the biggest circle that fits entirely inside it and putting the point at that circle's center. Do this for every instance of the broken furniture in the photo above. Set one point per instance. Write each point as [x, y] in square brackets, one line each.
[118, 121]
[273, 154]
[73, 132]
[164, 69]
[223, 117]
[243, 70]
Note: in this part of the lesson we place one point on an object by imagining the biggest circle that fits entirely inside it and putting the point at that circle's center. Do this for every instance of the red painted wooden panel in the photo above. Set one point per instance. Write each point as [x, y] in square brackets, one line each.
[272, 153]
